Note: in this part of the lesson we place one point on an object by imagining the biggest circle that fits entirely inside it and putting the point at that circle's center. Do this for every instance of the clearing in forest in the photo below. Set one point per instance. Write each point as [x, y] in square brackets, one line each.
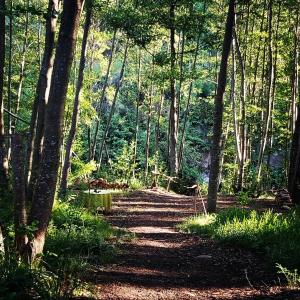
[163, 263]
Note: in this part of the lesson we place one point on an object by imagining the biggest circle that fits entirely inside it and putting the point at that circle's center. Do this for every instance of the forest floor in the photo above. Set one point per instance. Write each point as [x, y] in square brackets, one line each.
[161, 262]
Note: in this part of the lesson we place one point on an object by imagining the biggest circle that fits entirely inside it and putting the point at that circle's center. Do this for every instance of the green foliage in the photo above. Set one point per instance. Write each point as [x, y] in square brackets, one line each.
[20, 281]
[243, 198]
[81, 170]
[123, 167]
[292, 277]
[275, 234]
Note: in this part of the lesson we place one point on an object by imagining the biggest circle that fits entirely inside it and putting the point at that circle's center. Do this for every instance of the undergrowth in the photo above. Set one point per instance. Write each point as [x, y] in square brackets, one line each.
[76, 241]
[276, 235]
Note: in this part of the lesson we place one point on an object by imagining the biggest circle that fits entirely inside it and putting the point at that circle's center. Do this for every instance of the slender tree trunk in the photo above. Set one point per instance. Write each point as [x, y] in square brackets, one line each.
[269, 96]
[3, 157]
[295, 74]
[243, 131]
[45, 187]
[19, 185]
[187, 109]
[112, 110]
[179, 93]
[9, 83]
[75, 115]
[173, 159]
[113, 45]
[147, 150]
[138, 101]
[218, 115]
[22, 66]
[157, 129]
[36, 129]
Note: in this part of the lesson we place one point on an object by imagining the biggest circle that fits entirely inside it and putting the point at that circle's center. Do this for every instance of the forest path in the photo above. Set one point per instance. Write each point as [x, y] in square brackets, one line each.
[163, 263]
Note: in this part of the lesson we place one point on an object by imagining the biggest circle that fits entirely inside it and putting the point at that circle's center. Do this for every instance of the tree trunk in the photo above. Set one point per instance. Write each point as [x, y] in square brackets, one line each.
[45, 187]
[36, 129]
[22, 66]
[103, 93]
[218, 115]
[75, 115]
[157, 130]
[187, 110]
[19, 185]
[243, 131]
[3, 157]
[173, 157]
[148, 133]
[137, 111]
[119, 84]
[294, 169]
[9, 79]
[269, 96]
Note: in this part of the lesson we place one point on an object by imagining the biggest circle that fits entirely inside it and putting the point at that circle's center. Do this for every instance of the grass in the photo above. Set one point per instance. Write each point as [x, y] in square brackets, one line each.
[276, 235]
[77, 240]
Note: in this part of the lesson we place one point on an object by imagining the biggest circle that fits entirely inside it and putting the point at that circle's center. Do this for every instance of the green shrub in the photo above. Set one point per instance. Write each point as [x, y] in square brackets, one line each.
[275, 234]
[20, 281]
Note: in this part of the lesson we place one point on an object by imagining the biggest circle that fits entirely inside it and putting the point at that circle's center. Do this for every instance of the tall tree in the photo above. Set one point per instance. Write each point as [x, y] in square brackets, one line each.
[294, 170]
[218, 114]
[3, 157]
[36, 129]
[75, 115]
[45, 187]
[173, 135]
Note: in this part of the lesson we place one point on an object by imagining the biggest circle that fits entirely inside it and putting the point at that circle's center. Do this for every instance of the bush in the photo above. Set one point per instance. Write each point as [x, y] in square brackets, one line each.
[75, 232]
[275, 234]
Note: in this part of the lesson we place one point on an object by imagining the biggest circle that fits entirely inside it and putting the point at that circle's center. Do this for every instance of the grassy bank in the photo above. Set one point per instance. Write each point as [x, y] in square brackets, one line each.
[276, 235]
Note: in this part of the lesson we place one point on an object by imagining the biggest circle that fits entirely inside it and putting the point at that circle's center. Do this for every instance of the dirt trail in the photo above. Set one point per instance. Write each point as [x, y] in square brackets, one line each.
[162, 263]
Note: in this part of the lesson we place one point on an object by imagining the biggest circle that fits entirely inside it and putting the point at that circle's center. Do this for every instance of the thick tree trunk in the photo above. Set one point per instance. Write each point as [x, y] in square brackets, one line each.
[173, 156]
[294, 169]
[36, 130]
[3, 157]
[45, 187]
[19, 185]
[218, 115]
[75, 115]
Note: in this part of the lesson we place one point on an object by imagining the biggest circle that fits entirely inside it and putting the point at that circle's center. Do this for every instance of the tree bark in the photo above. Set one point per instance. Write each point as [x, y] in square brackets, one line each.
[75, 115]
[19, 184]
[36, 129]
[45, 187]
[3, 156]
[294, 169]
[218, 114]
